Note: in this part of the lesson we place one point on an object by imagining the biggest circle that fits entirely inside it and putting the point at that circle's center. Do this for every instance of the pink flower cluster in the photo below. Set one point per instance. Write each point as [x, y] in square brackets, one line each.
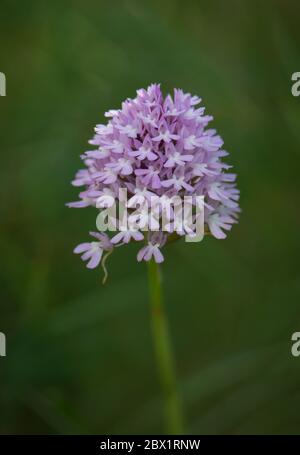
[157, 146]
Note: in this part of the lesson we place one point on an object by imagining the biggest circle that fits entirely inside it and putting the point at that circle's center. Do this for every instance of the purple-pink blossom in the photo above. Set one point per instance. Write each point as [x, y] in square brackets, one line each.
[93, 251]
[156, 146]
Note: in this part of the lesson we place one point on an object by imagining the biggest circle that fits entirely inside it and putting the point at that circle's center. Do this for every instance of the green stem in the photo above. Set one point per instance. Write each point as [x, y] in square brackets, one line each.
[174, 421]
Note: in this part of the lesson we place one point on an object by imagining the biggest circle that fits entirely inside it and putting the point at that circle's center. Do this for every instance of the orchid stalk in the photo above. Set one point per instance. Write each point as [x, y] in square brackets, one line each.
[163, 351]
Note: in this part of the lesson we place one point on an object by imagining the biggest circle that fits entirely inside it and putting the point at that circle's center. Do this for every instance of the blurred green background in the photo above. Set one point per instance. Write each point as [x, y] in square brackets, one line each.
[79, 355]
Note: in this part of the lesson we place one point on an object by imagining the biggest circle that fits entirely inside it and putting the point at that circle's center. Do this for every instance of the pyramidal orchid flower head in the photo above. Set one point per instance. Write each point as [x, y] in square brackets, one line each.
[156, 147]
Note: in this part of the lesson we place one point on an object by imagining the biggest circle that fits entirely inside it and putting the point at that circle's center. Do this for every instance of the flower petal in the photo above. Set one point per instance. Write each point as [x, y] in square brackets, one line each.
[82, 247]
[95, 259]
